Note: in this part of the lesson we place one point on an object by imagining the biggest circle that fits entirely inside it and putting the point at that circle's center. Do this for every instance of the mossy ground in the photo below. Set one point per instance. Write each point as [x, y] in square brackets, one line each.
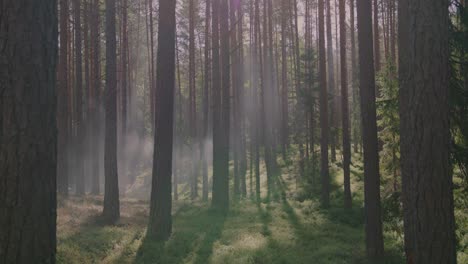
[286, 228]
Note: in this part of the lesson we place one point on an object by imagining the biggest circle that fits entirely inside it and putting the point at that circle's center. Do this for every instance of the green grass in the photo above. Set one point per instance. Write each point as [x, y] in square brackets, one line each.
[284, 229]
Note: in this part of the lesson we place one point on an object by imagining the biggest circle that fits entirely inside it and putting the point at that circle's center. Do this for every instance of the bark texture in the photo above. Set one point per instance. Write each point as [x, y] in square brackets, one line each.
[111, 212]
[345, 107]
[28, 131]
[160, 223]
[374, 237]
[425, 137]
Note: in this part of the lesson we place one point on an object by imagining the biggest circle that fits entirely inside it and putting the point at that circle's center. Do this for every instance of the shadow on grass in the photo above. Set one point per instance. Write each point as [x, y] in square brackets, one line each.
[195, 230]
[339, 237]
[93, 241]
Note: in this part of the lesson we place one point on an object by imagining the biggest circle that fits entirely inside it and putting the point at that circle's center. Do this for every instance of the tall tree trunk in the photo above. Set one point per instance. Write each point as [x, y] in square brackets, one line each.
[62, 92]
[177, 144]
[299, 104]
[392, 31]
[79, 152]
[374, 237]
[151, 66]
[28, 131]
[256, 105]
[235, 103]
[284, 81]
[345, 107]
[124, 88]
[111, 211]
[376, 37]
[242, 133]
[206, 101]
[192, 102]
[355, 91]
[221, 152]
[323, 111]
[160, 223]
[87, 91]
[331, 84]
[425, 132]
[96, 128]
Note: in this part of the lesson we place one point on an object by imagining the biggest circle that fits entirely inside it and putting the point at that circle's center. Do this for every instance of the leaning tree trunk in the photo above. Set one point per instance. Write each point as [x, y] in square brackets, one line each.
[28, 131]
[160, 223]
[425, 136]
[374, 237]
[111, 212]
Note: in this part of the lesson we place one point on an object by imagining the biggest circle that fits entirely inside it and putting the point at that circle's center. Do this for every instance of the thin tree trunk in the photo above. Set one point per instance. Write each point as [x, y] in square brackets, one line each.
[206, 100]
[323, 111]
[344, 107]
[160, 220]
[62, 100]
[221, 79]
[355, 91]
[95, 100]
[374, 237]
[256, 104]
[192, 102]
[376, 37]
[284, 80]
[79, 152]
[331, 83]
[111, 211]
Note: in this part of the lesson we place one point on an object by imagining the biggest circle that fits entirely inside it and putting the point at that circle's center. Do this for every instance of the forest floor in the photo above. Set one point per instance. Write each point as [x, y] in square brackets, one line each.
[290, 227]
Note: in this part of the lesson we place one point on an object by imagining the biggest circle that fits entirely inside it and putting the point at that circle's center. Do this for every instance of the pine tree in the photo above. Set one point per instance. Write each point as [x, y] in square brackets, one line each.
[425, 132]
[111, 211]
[160, 223]
[28, 133]
[374, 236]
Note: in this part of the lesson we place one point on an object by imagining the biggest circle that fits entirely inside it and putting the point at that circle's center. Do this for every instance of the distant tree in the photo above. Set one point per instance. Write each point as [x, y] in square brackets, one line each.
[206, 100]
[28, 131]
[284, 81]
[428, 204]
[79, 150]
[241, 135]
[95, 111]
[193, 101]
[376, 36]
[374, 236]
[216, 100]
[62, 99]
[331, 84]
[111, 211]
[160, 223]
[355, 89]
[256, 94]
[324, 172]
[221, 139]
[345, 107]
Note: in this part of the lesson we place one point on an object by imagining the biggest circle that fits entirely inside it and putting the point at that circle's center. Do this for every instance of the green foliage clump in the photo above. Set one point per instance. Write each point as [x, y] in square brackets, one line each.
[389, 123]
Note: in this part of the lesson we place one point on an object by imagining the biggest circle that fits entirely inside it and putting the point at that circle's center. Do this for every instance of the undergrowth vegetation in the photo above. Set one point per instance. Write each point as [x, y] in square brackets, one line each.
[288, 227]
